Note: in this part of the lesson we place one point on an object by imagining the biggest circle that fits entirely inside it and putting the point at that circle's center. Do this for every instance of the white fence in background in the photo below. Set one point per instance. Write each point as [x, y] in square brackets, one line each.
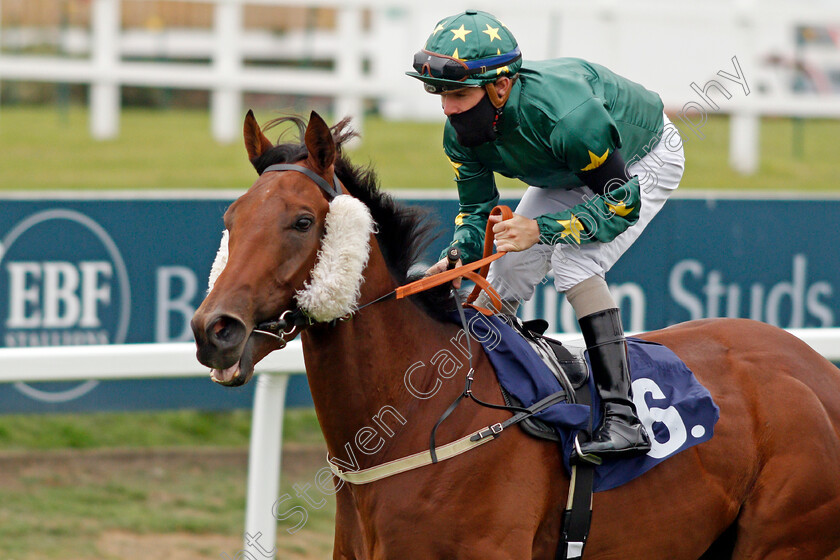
[226, 75]
[676, 49]
[146, 361]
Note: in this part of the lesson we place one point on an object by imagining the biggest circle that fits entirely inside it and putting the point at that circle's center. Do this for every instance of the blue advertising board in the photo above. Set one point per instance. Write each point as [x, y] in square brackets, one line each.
[116, 270]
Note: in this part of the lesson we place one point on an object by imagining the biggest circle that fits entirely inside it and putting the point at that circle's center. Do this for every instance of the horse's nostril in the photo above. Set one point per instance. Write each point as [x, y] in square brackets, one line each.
[226, 332]
[219, 326]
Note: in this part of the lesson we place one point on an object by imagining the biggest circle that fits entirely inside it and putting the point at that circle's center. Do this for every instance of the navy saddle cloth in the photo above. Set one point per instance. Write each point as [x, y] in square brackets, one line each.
[677, 411]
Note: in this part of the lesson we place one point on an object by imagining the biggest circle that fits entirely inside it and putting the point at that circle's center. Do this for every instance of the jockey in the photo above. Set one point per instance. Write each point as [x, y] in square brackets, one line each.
[601, 159]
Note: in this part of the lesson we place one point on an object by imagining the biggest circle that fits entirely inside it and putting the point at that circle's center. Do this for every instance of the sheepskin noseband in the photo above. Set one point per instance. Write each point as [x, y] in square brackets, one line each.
[333, 290]
[335, 282]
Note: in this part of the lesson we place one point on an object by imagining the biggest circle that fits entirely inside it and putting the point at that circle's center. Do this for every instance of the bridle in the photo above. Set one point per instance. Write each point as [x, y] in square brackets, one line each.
[332, 190]
[291, 319]
[295, 318]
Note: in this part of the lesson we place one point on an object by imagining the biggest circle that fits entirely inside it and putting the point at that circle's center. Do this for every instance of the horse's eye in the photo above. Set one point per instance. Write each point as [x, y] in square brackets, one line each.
[303, 223]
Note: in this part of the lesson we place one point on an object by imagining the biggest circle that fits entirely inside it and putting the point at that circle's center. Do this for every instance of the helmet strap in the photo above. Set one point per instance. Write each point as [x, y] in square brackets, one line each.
[499, 102]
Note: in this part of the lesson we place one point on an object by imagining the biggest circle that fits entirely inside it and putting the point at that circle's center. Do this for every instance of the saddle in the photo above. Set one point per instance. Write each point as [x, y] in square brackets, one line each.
[566, 363]
[569, 367]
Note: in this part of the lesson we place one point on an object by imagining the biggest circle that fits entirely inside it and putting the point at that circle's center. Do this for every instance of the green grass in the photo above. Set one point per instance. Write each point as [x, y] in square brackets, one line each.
[786, 164]
[72, 480]
[51, 513]
[68, 509]
[20, 432]
[42, 148]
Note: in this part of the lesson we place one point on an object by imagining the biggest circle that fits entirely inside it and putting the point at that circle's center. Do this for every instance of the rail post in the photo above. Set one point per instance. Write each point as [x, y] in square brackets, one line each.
[226, 98]
[105, 55]
[264, 464]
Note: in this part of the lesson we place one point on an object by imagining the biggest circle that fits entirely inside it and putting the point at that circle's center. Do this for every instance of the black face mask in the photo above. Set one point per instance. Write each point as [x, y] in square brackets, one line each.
[477, 125]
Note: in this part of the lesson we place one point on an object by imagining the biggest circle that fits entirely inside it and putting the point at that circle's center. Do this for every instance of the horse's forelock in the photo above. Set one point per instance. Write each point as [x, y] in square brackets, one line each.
[295, 150]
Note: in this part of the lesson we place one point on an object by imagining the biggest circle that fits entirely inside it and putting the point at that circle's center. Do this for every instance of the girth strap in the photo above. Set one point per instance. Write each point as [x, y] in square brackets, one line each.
[332, 190]
[404, 464]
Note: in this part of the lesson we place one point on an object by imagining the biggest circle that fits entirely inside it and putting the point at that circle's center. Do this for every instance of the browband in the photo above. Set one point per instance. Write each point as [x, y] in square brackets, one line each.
[332, 190]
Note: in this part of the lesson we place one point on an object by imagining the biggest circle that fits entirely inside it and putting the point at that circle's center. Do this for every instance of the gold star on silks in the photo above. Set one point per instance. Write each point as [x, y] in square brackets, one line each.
[438, 28]
[595, 160]
[571, 227]
[459, 219]
[456, 55]
[460, 33]
[492, 32]
[456, 166]
[619, 209]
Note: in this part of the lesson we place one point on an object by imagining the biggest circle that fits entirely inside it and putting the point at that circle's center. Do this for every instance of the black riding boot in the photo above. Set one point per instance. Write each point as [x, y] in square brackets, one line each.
[620, 433]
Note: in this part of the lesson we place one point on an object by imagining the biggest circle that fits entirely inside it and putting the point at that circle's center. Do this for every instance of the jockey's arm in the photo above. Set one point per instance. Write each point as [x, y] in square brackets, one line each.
[601, 218]
[477, 196]
[588, 141]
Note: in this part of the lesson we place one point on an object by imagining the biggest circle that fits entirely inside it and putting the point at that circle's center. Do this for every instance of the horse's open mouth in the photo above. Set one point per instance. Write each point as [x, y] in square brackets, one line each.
[232, 376]
[255, 349]
[240, 372]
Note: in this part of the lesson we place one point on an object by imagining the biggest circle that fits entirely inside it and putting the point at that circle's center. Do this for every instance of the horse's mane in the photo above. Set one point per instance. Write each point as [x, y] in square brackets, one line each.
[404, 232]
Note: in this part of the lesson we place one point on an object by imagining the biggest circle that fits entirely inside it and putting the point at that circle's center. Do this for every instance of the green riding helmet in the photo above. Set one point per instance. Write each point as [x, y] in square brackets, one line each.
[466, 50]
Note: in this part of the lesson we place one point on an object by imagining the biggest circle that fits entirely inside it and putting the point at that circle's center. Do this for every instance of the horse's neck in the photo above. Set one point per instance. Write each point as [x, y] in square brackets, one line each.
[356, 368]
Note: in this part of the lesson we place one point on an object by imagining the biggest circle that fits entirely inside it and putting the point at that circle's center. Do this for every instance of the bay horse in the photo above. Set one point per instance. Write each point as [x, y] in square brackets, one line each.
[767, 485]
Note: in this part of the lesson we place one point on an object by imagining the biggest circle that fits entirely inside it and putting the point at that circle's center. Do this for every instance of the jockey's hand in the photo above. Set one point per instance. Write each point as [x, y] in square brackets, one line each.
[516, 234]
[442, 266]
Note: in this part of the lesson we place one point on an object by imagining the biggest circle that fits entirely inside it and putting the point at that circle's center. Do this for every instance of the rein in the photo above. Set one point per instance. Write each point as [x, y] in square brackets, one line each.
[291, 319]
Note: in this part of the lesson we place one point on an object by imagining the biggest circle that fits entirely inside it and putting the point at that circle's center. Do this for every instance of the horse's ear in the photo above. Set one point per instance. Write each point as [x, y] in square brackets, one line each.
[255, 141]
[320, 143]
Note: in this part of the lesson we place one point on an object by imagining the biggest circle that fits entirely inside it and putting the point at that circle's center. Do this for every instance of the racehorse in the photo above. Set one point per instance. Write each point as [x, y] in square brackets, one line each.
[767, 485]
